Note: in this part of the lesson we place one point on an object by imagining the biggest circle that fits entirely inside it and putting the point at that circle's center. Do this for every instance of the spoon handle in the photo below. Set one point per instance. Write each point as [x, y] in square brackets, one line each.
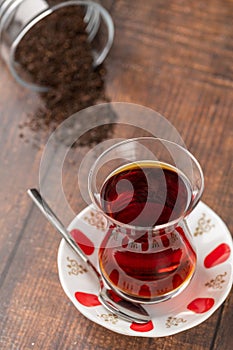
[53, 219]
[123, 308]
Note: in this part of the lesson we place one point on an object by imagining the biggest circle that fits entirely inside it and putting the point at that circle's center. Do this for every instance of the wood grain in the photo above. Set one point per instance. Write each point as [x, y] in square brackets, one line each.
[172, 56]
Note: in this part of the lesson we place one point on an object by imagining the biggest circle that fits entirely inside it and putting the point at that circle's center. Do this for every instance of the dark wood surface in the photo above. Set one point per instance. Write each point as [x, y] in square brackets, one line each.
[172, 56]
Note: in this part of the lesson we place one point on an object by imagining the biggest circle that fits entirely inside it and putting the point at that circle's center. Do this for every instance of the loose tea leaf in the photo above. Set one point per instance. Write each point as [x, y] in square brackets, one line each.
[56, 53]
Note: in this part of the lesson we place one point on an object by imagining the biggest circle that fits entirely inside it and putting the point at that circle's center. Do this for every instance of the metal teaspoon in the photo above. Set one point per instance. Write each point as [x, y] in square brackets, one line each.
[124, 309]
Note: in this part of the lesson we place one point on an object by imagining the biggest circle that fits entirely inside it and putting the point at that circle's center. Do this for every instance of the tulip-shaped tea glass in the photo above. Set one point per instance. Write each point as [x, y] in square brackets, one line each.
[146, 187]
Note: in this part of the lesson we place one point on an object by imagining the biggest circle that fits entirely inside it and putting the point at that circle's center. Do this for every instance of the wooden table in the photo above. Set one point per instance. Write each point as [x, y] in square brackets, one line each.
[172, 56]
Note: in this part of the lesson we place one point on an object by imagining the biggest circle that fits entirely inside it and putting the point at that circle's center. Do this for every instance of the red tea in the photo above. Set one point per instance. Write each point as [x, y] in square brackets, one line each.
[147, 195]
[143, 262]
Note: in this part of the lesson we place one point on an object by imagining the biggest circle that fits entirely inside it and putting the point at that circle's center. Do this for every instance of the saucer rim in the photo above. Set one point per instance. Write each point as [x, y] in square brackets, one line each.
[63, 246]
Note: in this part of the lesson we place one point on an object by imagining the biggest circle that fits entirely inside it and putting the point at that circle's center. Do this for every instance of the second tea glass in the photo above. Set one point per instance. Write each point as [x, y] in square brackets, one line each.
[18, 17]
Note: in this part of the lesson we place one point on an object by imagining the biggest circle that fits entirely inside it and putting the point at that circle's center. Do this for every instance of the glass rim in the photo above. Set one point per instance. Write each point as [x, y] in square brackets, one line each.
[137, 227]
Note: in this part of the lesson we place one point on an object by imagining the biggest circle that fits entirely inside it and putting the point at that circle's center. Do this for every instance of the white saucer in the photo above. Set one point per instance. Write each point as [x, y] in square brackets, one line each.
[207, 290]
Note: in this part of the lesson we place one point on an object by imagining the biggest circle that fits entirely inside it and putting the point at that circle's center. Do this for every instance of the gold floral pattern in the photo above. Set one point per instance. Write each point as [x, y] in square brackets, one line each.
[204, 225]
[74, 267]
[174, 321]
[109, 318]
[162, 291]
[155, 244]
[217, 282]
[96, 219]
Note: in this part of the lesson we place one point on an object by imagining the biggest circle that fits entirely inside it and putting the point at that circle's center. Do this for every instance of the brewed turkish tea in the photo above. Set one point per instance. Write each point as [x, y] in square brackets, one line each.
[140, 262]
[145, 194]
